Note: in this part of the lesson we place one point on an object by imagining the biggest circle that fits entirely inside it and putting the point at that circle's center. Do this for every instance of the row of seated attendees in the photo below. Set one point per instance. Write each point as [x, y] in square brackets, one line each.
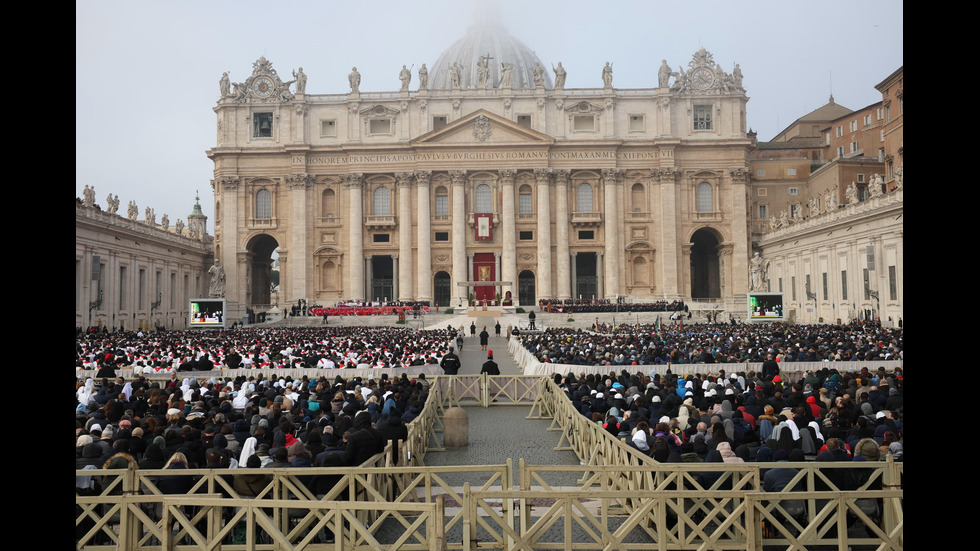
[828, 415]
[324, 348]
[607, 305]
[646, 344]
[242, 425]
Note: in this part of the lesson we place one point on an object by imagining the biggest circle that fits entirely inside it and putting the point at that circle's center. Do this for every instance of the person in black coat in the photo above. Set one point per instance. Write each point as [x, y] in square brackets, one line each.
[365, 441]
[484, 338]
[490, 367]
[450, 363]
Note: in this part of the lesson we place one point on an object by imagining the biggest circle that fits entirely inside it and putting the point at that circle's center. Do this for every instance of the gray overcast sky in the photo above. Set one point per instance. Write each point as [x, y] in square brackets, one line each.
[146, 73]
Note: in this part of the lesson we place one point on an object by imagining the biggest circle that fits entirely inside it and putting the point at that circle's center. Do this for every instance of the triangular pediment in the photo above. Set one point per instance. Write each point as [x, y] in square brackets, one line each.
[483, 127]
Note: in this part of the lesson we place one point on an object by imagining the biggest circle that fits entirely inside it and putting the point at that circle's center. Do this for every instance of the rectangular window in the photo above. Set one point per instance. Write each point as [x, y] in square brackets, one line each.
[807, 287]
[702, 117]
[262, 125]
[867, 284]
[524, 203]
[636, 123]
[843, 284]
[824, 278]
[438, 122]
[583, 123]
[867, 119]
[762, 211]
[760, 173]
[328, 129]
[854, 147]
[840, 131]
[793, 191]
[854, 126]
[442, 205]
[380, 126]
[860, 178]
[442, 236]
[524, 120]
[382, 237]
[762, 191]
[840, 151]
[892, 283]
[880, 113]
[791, 172]
[527, 236]
[586, 234]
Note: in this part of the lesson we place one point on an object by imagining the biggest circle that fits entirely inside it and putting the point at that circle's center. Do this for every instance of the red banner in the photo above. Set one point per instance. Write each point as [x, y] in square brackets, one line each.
[484, 226]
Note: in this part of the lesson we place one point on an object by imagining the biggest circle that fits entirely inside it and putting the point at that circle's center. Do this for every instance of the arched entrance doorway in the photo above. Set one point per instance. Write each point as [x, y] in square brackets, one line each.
[705, 266]
[525, 288]
[259, 279]
[441, 289]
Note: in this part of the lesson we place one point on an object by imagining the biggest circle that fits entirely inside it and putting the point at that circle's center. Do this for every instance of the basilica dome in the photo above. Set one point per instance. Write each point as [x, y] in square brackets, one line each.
[487, 37]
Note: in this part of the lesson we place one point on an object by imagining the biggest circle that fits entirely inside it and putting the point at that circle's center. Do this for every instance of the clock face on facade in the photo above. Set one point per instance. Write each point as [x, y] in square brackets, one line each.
[262, 86]
[702, 78]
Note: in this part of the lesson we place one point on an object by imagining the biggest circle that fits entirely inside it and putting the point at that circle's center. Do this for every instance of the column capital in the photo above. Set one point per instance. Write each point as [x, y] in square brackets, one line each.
[458, 177]
[230, 183]
[611, 176]
[561, 176]
[405, 178]
[298, 180]
[542, 175]
[352, 179]
[422, 177]
[507, 176]
[470, 255]
[739, 174]
[666, 175]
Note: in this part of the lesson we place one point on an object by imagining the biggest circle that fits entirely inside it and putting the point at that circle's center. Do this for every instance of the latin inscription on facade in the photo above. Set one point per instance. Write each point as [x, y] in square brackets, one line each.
[474, 156]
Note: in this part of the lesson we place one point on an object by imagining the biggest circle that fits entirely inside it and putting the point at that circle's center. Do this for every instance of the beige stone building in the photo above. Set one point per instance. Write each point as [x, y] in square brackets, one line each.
[137, 273]
[485, 171]
[836, 252]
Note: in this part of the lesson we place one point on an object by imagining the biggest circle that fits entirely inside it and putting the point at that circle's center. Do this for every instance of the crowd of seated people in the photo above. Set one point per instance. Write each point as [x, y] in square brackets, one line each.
[708, 343]
[828, 415]
[606, 305]
[325, 348]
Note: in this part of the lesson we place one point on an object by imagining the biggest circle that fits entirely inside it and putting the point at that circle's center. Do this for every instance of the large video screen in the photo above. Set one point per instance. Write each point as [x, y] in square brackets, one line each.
[207, 312]
[766, 306]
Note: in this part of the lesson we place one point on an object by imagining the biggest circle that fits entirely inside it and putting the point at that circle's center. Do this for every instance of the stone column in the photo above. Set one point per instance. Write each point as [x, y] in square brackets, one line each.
[497, 289]
[543, 287]
[458, 178]
[424, 266]
[396, 290]
[611, 221]
[403, 271]
[740, 234]
[297, 186]
[368, 277]
[564, 289]
[508, 233]
[574, 267]
[354, 289]
[601, 279]
[672, 271]
[469, 274]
